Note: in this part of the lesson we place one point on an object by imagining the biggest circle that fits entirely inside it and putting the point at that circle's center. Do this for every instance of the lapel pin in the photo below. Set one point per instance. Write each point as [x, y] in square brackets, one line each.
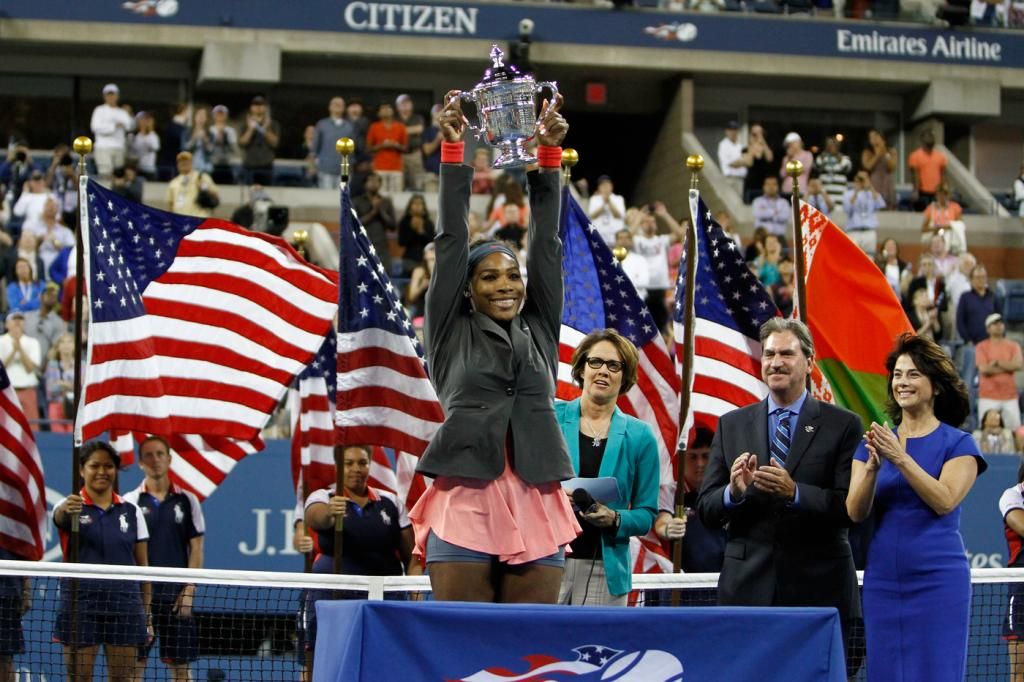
[809, 429]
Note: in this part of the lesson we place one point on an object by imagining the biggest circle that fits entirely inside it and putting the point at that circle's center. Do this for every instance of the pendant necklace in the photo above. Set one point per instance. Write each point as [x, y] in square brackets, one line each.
[597, 438]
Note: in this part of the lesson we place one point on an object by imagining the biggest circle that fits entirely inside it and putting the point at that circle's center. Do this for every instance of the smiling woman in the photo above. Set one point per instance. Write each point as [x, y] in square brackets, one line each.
[917, 590]
[604, 441]
[494, 524]
[113, 614]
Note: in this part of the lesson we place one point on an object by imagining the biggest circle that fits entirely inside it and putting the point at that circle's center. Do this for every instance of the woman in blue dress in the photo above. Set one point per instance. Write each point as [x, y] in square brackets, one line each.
[917, 584]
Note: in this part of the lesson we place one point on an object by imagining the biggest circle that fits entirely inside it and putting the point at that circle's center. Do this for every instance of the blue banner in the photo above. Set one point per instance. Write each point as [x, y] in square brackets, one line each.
[726, 32]
[376, 641]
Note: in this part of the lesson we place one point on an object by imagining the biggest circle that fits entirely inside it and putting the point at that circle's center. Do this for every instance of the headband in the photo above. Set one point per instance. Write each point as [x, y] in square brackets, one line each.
[480, 251]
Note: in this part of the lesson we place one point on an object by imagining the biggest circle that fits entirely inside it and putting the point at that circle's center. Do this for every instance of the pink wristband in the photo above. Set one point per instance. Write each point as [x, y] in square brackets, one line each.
[452, 152]
[549, 157]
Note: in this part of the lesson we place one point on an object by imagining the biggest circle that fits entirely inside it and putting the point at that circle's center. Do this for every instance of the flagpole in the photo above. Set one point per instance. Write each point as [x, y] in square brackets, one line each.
[82, 146]
[299, 238]
[795, 169]
[345, 147]
[695, 163]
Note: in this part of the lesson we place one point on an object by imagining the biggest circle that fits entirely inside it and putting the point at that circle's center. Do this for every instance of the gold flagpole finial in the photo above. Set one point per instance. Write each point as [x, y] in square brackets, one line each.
[570, 157]
[299, 238]
[82, 146]
[794, 169]
[345, 148]
[695, 162]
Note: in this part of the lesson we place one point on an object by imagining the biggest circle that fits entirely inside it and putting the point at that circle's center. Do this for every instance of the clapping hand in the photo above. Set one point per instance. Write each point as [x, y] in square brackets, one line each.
[742, 474]
[552, 127]
[884, 443]
[775, 480]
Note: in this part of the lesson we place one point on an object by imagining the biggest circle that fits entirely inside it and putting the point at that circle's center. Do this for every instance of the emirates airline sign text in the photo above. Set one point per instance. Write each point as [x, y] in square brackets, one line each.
[943, 46]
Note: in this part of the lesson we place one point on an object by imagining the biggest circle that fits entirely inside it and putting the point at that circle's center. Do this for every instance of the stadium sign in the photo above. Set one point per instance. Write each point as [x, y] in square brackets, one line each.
[392, 17]
[945, 46]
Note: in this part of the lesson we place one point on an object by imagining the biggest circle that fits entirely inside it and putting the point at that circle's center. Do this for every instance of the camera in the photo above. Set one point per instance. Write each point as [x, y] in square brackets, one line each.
[21, 157]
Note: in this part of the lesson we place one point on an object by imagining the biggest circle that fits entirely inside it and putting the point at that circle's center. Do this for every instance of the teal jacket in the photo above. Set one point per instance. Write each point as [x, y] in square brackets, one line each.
[631, 457]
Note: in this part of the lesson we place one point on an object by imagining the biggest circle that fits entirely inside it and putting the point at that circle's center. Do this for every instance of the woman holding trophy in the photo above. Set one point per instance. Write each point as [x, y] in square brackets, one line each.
[495, 523]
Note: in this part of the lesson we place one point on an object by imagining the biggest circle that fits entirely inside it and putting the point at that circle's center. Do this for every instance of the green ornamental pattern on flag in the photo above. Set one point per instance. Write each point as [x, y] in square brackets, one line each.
[854, 316]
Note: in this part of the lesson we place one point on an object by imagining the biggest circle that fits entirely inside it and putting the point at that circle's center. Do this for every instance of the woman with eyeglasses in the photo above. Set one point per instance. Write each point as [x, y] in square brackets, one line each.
[494, 524]
[605, 442]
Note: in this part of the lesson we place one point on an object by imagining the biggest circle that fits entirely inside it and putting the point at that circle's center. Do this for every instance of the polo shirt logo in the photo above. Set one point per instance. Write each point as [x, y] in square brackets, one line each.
[84, 520]
[384, 517]
[179, 515]
[123, 520]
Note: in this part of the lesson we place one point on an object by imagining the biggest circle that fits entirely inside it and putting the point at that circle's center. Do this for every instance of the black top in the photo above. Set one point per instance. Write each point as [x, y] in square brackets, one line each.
[588, 545]
[756, 173]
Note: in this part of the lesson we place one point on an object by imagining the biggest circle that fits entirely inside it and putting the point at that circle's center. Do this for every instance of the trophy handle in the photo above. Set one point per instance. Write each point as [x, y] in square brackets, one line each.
[477, 129]
[549, 85]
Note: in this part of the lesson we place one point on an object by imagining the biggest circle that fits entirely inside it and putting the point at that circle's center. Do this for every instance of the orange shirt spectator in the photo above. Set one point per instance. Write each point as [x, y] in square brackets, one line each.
[387, 158]
[942, 215]
[998, 385]
[929, 165]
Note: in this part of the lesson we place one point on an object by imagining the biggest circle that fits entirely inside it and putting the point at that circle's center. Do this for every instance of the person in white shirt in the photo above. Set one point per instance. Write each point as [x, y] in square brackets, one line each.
[957, 284]
[110, 125]
[145, 144]
[607, 210]
[21, 356]
[654, 247]
[634, 265]
[29, 206]
[730, 161]
[53, 236]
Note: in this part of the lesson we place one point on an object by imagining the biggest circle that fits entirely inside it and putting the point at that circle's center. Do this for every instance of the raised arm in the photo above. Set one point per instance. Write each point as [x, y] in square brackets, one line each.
[451, 241]
[544, 289]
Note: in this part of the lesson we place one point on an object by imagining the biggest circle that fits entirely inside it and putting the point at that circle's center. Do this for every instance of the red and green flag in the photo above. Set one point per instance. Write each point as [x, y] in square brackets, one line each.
[854, 316]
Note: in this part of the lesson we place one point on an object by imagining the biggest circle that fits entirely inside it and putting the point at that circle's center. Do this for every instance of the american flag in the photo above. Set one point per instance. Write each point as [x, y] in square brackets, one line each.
[22, 490]
[591, 662]
[197, 329]
[312, 403]
[598, 295]
[730, 306]
[312, 411]
[384, 396]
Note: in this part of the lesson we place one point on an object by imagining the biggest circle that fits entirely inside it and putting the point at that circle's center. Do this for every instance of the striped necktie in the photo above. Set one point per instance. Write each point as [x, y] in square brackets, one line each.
[780, 439]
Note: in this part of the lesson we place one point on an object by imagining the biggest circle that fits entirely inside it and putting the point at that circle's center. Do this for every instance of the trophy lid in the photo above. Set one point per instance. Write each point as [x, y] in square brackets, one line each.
[499, 72]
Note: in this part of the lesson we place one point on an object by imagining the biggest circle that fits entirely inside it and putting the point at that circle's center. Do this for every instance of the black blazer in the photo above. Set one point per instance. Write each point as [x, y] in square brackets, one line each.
[490, 380]
[778, 554]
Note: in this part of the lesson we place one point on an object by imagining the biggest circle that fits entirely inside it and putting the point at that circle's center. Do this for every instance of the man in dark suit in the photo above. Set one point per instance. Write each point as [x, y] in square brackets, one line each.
[777, 479]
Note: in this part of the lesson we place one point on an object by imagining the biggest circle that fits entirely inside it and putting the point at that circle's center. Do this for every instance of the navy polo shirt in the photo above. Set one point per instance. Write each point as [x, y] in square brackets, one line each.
[371, 535]
[107, 536]
[172, 524]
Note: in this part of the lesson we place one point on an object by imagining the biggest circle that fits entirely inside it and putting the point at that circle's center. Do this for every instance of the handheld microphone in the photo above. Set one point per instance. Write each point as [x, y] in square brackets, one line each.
[582, 499]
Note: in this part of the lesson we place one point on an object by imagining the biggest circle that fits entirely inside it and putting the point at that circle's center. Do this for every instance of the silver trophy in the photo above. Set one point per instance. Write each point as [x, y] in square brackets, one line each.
[506, 105]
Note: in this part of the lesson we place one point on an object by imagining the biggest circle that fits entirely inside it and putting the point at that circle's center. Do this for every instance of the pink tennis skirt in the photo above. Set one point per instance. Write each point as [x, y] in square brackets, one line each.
[508, 518]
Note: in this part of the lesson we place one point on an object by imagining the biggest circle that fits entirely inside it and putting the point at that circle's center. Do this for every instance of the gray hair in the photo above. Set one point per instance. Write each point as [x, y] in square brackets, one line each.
[777, 325]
